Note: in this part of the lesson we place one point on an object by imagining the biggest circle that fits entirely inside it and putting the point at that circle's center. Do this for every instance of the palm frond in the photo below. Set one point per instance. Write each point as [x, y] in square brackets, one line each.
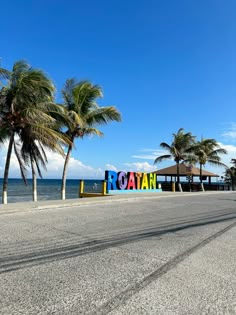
[84, 97]
[165, 146]
[49, 137]
[89, 132]
[190, 159]
[75, 120]
[208, 150]
[103, 115]
[4, 135]
[162, 158]
[216, 162]
[5, 74]
[67, 93]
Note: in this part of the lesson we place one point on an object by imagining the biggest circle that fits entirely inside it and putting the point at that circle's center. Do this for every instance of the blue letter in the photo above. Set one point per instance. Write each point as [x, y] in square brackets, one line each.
[111, 178]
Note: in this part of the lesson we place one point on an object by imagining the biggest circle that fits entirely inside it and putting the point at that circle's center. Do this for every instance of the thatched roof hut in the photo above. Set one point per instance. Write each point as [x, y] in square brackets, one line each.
[184, 171]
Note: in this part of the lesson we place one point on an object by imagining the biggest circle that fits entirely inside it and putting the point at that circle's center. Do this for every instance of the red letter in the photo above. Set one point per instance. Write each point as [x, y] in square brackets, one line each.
[131, 182]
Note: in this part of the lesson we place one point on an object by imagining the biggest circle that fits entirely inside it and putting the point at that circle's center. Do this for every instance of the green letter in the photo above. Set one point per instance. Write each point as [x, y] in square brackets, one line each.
[152, 181]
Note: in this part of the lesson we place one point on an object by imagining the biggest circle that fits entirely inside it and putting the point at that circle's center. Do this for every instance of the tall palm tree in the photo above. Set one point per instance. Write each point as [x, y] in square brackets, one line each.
[83, 115]
[230, 174]
[207, 151]
[26, 99]
[178, 149]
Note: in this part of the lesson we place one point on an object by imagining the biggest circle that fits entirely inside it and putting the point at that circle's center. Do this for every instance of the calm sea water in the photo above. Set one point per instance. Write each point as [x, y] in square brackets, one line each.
[48, 189]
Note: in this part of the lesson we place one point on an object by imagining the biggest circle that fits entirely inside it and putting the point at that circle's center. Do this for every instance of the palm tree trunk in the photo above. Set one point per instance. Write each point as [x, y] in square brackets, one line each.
[34, 182]
[63, 182]
[233, 182]
[6, 171]
[201, 183]
[178, 181]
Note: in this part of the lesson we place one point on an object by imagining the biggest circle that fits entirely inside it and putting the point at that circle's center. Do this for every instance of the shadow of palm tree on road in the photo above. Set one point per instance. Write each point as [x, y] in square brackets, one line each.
[37, 257]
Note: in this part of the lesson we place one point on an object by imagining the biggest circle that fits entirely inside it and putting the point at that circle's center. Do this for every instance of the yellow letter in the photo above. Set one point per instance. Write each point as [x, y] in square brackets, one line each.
[145, 182]
[139, 176]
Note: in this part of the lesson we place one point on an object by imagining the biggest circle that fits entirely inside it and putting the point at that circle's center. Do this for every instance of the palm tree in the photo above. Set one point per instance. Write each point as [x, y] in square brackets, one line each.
[33, 150]
[178, 149]
[230, 174]
[25, 102]
[207, 151]
[83, 115]
[233, 161]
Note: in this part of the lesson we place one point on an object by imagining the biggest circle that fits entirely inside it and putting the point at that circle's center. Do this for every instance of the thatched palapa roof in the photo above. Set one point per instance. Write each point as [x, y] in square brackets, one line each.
[184, 170]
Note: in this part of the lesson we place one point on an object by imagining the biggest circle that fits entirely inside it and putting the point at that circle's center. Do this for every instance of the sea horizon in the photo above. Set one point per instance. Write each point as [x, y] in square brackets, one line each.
[48, 189]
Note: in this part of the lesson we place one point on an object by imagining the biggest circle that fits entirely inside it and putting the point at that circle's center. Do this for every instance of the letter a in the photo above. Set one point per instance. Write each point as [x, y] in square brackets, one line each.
[145, 182]
[131, 182]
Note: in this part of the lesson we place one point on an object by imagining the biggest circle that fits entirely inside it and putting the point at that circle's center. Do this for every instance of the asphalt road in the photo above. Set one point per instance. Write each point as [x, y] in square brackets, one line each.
[165, 254]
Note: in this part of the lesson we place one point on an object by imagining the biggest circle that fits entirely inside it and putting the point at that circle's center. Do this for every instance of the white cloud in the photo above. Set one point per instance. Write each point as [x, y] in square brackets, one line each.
[231, 132]
[76, 169]
[141, 167]
[111, 167]
[14, 166]
[151, 156]
[231, 153]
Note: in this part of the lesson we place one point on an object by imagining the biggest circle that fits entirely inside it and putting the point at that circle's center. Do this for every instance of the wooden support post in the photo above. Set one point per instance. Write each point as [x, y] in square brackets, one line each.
[81, 188]
[173, 186]
[104, 188]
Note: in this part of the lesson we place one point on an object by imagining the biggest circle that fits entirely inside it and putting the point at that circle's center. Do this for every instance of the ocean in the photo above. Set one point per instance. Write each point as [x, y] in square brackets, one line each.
[48, 189]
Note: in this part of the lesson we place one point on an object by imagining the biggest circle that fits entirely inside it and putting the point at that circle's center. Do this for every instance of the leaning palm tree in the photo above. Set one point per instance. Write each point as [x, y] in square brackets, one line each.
[26, 99]
[207, 151]
[178, 150]
[83, 116]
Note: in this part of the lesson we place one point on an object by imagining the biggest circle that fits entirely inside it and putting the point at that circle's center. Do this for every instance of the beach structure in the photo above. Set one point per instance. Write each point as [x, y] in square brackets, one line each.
[189, 177]
[185, 171]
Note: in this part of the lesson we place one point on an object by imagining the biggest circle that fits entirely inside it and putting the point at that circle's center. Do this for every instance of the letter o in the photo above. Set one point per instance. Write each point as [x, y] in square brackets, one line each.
[122, 180]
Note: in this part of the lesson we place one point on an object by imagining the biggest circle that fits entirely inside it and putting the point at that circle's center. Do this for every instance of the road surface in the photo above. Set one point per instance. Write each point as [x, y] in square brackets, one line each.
[155, 254]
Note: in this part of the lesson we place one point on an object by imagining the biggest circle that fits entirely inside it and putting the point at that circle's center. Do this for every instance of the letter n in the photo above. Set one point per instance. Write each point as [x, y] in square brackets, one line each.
[152, 180]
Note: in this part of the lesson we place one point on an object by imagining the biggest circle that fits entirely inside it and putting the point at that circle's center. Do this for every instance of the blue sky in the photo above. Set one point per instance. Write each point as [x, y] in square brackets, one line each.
[163, 64]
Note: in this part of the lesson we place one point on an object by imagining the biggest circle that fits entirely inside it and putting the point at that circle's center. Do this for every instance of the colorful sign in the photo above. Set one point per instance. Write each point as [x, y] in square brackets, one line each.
[130, 181]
